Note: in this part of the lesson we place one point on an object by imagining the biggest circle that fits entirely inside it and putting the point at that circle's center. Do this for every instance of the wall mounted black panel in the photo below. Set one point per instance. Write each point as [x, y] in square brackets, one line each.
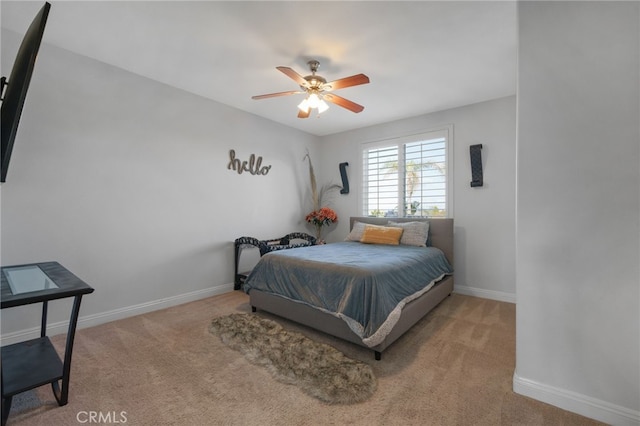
[345, 179]
[475, 151]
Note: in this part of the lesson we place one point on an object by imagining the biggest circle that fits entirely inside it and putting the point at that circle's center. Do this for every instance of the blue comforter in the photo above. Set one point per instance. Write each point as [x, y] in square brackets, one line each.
[366, 285]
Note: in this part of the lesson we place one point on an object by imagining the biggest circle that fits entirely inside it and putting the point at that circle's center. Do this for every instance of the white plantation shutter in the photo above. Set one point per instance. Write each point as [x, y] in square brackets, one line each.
[381, 184]
[407, 176]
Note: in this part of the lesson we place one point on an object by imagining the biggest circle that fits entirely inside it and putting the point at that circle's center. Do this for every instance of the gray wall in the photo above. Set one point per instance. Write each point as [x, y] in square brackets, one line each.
[578, 230]
[124, 181]
[484, 216]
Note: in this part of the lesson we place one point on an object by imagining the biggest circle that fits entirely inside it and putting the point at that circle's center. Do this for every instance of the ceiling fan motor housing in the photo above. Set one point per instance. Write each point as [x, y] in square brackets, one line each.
[315, 81]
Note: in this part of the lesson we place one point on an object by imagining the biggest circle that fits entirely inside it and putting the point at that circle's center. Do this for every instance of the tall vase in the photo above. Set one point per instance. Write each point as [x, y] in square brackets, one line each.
[319, 232]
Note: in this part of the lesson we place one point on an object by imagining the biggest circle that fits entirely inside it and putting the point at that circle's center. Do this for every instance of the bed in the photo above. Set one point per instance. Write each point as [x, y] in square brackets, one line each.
[367, 294]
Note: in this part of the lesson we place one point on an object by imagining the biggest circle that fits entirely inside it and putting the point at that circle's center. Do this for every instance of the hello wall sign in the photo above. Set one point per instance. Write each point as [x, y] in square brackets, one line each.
[253, 165]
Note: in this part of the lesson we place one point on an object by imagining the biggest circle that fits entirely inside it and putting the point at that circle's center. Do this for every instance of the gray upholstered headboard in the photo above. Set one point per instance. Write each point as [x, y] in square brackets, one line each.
[440, 230]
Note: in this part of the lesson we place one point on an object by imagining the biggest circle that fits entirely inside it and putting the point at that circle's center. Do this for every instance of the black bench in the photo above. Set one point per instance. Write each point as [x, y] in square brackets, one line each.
[266, 246]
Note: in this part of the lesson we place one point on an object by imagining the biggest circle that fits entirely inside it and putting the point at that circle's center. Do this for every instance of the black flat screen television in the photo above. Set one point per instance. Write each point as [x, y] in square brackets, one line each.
[18, 84]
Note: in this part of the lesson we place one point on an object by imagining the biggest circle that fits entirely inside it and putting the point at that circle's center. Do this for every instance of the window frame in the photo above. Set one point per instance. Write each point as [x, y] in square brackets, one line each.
[445, 131]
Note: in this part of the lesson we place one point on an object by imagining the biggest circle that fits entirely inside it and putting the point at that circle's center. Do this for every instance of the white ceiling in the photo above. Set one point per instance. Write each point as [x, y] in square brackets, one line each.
[420, 56]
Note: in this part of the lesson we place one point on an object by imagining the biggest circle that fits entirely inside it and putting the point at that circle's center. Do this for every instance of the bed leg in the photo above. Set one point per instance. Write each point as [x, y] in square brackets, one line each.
[378, 355]
[253, 309]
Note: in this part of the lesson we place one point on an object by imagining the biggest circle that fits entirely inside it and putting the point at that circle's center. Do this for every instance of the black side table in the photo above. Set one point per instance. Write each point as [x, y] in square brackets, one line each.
[33, 363]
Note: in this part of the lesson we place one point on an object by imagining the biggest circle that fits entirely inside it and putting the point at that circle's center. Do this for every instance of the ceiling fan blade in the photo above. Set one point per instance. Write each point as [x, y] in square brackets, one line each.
[344, 103]
[302, 114]
[273, 95]
[294, 76]
[341, 83]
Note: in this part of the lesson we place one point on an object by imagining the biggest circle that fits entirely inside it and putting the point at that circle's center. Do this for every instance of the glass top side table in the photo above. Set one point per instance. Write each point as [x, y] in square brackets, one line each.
[33, 363]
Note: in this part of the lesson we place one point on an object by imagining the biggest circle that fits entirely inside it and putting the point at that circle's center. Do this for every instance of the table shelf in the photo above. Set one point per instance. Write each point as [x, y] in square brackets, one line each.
[30, 364]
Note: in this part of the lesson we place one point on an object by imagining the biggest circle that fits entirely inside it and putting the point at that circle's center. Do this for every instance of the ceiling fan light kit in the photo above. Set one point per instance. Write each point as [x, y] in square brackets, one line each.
[316, 88]
[314, 100]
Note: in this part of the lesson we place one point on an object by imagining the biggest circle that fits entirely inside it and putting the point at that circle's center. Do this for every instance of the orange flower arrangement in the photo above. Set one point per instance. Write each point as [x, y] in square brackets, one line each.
[320, 218]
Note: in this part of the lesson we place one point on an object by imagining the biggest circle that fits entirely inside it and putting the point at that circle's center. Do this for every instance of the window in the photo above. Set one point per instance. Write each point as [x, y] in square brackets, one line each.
[407, 176]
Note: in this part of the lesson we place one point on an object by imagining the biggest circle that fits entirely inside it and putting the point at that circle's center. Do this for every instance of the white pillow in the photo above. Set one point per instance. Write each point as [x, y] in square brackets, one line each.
[415, 233]
[356, 232]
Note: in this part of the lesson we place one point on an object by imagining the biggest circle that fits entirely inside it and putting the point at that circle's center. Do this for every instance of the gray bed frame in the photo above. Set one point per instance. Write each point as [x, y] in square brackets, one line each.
[440, 235]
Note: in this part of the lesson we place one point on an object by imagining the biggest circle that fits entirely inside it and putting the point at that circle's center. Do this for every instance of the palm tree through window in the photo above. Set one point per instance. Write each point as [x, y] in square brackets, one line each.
[407, 176]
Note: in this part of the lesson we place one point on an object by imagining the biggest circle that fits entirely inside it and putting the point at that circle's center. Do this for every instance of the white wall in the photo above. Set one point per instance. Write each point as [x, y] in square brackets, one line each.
[484, 216]
[578, 213]
[124, 181]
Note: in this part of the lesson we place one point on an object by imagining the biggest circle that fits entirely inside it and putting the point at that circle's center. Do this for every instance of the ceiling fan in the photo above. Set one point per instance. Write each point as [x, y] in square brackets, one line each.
[318, 90]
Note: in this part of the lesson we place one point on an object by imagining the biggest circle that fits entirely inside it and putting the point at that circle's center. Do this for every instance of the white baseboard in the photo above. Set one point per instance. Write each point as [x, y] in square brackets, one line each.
[577, 403]
[116, 314]
[485, 294]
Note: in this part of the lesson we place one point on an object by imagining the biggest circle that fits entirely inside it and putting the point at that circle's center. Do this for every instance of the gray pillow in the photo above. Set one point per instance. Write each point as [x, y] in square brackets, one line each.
[415, 233]
[356, 232]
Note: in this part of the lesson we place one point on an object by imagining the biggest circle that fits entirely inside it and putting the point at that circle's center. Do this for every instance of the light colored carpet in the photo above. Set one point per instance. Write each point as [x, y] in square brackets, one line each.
[454, 367]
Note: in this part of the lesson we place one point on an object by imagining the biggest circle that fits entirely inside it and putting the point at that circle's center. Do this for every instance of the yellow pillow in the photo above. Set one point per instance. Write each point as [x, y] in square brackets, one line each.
[374, 234]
